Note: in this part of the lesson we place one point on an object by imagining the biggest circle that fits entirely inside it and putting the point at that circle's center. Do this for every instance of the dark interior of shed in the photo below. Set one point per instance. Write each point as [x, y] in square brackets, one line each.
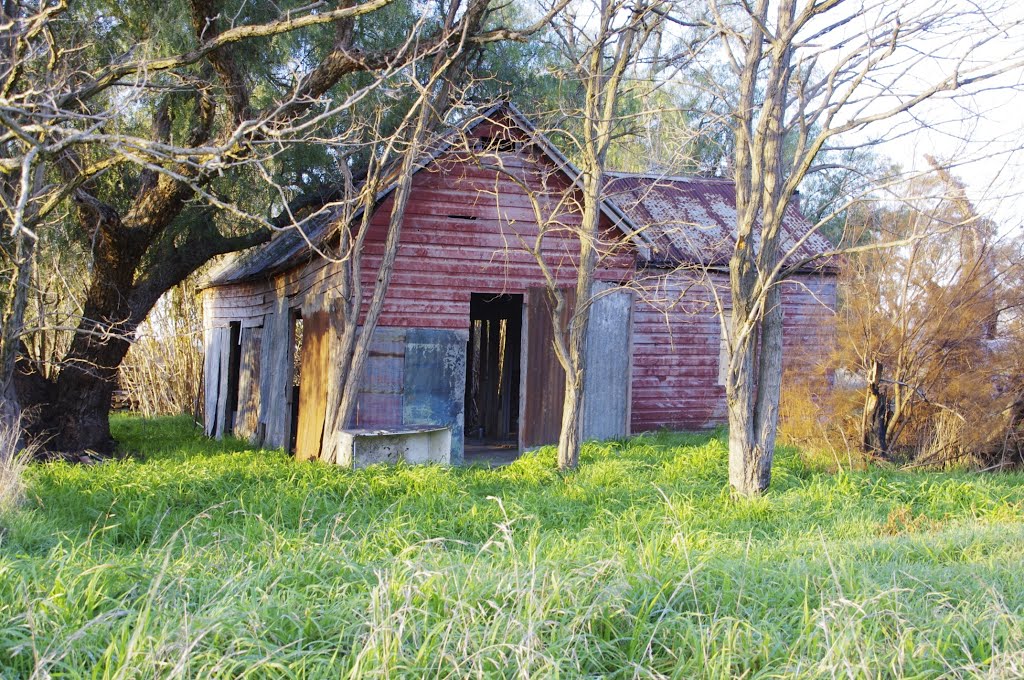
[493, 371]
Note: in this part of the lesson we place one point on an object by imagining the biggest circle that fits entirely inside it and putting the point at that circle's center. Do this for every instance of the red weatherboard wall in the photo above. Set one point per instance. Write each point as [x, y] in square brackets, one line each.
[443, 259]
[676, 347]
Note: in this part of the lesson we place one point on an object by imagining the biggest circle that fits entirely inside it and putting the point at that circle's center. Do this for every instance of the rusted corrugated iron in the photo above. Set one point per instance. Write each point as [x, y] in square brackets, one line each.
[692, 220]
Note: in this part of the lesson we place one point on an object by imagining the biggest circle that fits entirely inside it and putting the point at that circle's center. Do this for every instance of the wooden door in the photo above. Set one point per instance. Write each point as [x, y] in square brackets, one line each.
[313, 375]
[544, 382]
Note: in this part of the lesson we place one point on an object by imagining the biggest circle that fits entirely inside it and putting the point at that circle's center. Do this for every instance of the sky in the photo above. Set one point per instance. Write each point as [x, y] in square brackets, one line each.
[985, 149]
[979, 130]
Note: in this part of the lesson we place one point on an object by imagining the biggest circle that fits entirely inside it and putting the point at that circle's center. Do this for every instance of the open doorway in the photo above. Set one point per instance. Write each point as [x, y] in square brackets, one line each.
[234, 367]
[296, 373]
[493, 368]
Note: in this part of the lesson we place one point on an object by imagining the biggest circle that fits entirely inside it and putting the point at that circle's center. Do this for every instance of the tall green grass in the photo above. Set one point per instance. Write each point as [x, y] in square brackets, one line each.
[200, 559]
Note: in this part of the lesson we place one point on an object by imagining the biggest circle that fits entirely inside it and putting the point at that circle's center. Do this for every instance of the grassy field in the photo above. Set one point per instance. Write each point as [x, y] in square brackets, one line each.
[202, 559]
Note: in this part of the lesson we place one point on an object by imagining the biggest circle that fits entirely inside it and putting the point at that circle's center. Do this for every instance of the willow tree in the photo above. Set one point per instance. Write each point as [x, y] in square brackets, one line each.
[157, 136]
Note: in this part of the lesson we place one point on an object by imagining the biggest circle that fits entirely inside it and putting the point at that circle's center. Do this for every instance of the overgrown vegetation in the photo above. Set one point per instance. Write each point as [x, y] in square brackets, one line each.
[203, 559]
[162, 373]
[13, 459]
[926, 364]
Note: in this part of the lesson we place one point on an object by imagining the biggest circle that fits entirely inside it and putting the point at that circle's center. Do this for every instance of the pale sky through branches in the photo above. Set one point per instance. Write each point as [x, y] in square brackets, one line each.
[979, 129]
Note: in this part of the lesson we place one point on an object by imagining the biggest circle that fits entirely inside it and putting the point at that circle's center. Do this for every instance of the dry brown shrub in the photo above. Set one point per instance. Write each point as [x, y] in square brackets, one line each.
[817, 415]
[929, 332]
[163, 371]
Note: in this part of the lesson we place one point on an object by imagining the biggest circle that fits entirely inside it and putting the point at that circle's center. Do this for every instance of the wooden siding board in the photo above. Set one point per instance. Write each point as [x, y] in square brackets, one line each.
[675, 355]
[247, 420]
[313, 373]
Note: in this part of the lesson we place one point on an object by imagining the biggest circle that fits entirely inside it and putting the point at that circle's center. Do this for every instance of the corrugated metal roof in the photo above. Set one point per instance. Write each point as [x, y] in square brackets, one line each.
[287, 249]
[692, 220]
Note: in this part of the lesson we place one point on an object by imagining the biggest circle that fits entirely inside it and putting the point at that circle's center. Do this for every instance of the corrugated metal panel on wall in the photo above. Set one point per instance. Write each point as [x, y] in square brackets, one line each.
[544, 395]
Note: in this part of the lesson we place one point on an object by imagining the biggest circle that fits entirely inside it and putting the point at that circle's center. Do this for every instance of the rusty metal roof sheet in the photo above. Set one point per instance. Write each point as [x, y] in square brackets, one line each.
[285, 250]
[692, 220]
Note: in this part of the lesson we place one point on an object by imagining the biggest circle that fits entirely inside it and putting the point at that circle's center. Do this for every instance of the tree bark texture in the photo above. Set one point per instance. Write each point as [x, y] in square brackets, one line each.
[762, 196]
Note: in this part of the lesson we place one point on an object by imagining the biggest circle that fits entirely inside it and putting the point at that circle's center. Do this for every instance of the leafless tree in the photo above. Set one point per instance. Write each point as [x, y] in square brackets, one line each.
[806, 76]
[601, 47]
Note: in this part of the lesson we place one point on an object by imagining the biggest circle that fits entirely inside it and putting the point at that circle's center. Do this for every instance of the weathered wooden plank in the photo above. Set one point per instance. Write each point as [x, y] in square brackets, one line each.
[211, 378]
[276, 374]
[224, 347]
[247, 418]
[313, 375]
[222, 302]
[545, 379]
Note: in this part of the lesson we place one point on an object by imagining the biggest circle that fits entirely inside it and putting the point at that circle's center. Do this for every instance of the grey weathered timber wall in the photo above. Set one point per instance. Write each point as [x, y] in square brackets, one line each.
[276, 374]
[434, 385]
[413, 377]
[606, 395]
[247, 420]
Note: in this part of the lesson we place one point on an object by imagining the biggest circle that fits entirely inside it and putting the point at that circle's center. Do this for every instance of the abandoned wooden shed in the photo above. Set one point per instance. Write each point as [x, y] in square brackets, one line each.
[465, 338]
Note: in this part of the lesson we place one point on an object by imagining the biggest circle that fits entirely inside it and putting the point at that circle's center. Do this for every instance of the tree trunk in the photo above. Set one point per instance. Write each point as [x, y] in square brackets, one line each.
[80, 417]
[753, 394]
[743, 454]
[769, 386]
[14, 319]
[571, 434]
[875, 421]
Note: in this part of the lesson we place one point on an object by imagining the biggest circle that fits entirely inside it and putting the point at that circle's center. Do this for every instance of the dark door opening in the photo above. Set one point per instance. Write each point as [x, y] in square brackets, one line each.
[293, 388]
[234, 366]
[493, 369]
